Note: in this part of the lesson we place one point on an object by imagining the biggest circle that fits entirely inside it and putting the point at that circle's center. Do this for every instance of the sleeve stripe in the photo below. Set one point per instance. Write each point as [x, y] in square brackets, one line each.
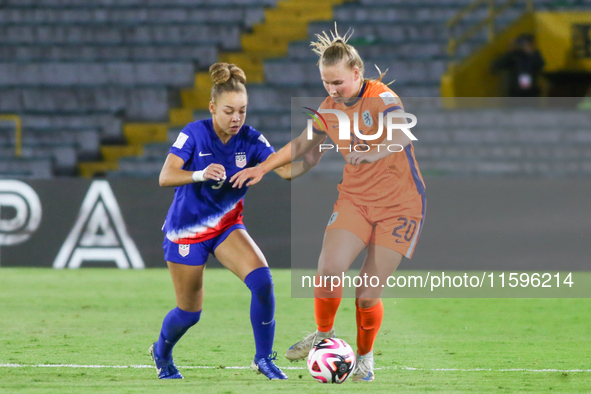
[390, 109]
[316, 131]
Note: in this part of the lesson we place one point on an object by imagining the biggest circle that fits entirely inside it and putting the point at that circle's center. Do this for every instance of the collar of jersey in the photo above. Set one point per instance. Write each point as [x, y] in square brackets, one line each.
[215, 138]
[352, 103]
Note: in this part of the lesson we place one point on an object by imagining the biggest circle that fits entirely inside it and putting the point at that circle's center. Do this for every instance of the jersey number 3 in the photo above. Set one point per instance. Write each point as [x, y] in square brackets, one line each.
[218, 185]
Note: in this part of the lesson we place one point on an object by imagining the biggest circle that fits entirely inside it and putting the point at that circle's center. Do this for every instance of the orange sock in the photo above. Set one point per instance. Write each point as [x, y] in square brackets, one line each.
[369, 321]
[326, 304]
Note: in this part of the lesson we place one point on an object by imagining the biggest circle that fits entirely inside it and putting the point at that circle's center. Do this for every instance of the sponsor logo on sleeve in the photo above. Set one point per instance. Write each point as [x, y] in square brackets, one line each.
[389, 98]
[264, 140]
[180, 140]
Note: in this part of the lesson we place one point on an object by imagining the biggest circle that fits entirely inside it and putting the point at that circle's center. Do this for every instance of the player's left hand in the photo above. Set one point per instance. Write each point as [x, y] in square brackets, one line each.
[357, 158]
[255, 174]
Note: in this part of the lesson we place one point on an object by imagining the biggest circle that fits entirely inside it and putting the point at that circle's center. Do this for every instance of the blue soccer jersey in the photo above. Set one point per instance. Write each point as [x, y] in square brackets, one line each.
[203, 210]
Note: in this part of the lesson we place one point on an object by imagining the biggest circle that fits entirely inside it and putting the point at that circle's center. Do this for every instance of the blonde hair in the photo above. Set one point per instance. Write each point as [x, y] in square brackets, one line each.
[335, 49]
[226, 78]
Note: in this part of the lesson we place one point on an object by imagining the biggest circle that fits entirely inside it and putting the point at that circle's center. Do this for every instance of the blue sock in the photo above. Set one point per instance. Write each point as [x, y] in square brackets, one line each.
[175, 325]
[262, 310]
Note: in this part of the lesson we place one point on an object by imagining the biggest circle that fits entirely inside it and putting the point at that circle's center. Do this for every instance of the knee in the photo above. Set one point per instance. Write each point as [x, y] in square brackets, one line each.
[183, 317]
[329, 269]
[332, 265]
[365, 303]
[260, 283]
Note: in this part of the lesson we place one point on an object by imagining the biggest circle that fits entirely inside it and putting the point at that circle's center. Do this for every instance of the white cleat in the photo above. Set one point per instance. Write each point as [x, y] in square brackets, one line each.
[300, 350]
[363, 371]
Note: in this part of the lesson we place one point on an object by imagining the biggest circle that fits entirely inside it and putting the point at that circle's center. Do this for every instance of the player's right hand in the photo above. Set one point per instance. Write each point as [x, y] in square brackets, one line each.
[313, 156]
[215, 172]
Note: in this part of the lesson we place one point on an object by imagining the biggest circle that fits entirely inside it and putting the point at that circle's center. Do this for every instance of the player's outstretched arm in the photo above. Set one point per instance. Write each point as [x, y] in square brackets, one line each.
[172, 173]
[292, 151]
[299, 168]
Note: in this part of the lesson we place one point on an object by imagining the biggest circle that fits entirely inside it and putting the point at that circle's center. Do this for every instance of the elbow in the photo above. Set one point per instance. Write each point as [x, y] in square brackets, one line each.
[285, 175]
[163, 180]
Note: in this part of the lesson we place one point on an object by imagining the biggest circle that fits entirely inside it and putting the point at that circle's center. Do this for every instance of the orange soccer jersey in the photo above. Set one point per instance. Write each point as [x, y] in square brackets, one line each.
[387, 182]
[382, 202]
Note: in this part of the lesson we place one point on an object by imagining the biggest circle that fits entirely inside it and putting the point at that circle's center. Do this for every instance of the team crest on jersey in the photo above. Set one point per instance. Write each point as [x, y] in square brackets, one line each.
[184, 249]
[240, 159]
[367, 120]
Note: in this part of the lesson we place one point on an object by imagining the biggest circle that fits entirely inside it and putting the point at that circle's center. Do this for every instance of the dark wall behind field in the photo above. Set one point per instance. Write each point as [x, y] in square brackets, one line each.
[519, 224]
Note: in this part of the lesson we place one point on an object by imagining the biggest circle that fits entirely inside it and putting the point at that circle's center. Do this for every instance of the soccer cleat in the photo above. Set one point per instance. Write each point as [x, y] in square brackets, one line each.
[267, 367]
[300, 350]
[165, 369]
[363, 371]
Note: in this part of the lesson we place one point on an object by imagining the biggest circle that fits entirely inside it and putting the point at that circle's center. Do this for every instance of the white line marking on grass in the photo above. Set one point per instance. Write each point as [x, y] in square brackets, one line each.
[123, 366]
[486, 369]
[291, 368]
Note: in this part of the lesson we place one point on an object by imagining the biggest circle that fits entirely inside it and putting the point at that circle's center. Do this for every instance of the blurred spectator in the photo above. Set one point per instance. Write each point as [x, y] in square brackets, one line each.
[523, 63]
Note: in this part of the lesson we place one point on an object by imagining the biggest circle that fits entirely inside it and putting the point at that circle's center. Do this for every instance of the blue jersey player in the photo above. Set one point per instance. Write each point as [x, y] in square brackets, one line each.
[206, 217]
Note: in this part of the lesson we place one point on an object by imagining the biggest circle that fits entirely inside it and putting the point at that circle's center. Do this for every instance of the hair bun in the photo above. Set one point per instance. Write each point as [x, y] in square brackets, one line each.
[221, 73]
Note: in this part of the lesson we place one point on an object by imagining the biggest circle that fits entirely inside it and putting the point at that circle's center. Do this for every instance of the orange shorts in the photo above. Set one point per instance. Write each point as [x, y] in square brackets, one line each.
[397, 227]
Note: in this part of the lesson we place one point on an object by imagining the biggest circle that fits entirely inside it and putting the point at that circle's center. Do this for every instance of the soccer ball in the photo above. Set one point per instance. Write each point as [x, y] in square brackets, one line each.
[331, 361]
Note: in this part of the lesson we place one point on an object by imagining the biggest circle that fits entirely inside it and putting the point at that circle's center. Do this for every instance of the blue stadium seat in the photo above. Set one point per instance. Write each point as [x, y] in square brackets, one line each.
[202, 55]
[133, 103]
[226, 36]
[25, 168]
[245, 15]
[136, 3]
[55, 74]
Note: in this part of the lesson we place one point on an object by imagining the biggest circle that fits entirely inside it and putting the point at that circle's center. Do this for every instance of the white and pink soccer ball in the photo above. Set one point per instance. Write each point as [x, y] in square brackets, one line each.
[331, 361]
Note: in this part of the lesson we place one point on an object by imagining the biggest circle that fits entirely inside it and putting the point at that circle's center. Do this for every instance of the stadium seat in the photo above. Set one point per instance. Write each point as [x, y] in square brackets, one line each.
[25, 168]
[75, 71]
[202, 55]
[57, 74]
[93, 14]
[133, 103]
[225, 36]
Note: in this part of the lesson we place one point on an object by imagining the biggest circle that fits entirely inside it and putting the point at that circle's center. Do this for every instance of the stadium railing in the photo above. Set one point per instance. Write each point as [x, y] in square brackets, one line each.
[489, 22]
[18, 132]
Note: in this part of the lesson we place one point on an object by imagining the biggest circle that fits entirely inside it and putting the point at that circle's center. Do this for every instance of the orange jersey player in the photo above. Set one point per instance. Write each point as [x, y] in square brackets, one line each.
[381, 204]
[391, 181]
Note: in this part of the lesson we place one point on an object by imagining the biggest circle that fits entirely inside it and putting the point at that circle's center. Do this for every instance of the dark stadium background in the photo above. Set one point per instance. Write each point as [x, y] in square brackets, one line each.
[99, 89]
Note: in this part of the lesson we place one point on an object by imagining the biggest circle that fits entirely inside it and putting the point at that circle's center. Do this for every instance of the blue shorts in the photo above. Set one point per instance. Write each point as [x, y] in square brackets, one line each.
[195, 254]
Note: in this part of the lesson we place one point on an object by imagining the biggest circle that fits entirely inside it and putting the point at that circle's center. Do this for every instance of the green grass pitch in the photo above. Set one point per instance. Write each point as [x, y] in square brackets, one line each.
[108, 317]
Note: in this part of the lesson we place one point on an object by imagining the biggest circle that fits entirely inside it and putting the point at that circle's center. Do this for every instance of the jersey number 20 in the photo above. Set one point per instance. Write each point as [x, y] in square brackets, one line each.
[410, 231]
